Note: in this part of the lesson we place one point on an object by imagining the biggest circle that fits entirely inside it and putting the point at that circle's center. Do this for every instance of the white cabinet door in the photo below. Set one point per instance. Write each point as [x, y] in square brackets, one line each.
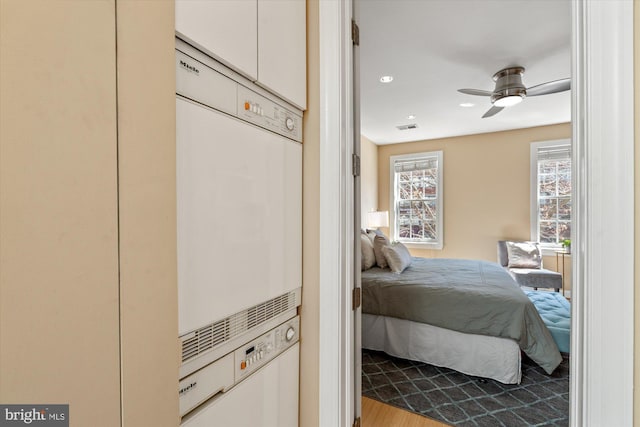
[282, 41]
[225, 29]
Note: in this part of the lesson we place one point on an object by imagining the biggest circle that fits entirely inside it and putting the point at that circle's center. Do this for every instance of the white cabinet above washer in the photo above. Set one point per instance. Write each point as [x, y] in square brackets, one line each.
[282, 49]
[225, 29]
[265, 40]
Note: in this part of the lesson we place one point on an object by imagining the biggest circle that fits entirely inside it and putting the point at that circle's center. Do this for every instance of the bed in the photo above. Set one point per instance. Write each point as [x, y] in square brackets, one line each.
[467, 315]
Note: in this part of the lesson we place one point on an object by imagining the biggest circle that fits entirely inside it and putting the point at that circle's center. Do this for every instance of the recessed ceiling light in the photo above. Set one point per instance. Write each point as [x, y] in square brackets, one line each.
[386, 79]
[467, 104]
[411, 116]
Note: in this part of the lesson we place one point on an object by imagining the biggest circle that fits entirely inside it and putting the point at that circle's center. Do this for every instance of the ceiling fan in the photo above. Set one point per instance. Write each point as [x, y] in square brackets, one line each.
[509, 89]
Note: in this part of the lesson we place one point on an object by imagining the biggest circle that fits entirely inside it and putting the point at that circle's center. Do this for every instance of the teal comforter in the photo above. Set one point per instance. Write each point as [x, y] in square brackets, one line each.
[470, 296]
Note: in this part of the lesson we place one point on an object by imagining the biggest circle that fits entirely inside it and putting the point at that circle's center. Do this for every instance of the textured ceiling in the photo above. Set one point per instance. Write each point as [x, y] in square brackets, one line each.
[434, 47]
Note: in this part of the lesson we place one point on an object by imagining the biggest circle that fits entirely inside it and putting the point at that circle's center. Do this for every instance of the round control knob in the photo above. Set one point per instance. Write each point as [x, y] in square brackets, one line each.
[288, 122]
[290, 333]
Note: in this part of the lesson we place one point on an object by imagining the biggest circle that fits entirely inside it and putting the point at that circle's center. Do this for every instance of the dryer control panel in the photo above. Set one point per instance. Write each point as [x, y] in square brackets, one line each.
[265, 113]
[199, 82]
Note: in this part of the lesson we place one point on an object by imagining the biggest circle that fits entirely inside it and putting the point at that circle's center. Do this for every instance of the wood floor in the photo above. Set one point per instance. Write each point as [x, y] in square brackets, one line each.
[377, 414]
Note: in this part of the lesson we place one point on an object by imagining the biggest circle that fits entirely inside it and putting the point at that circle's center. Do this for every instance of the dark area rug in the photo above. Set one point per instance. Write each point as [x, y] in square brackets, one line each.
[463, 400]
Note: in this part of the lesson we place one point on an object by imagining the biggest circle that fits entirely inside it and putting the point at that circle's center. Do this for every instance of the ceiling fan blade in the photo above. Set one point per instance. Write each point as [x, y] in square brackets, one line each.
[492, 111]
[549, 87]
[477, 92]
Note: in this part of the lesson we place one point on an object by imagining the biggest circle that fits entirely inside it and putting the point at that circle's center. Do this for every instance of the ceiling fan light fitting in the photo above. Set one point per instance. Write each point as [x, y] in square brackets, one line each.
[509, 89]
[508, 100]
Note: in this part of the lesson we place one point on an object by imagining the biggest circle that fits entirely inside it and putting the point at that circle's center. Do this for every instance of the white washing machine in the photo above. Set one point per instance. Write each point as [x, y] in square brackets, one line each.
[256, 385]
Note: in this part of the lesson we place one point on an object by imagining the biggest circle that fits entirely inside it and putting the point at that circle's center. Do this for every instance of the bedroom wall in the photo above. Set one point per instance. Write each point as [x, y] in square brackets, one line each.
[368, 178]
[486, 189]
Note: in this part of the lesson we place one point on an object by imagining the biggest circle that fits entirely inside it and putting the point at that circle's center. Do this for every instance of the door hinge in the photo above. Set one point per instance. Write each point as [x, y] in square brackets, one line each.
[356, 298]
[356, 165]
[356, 422]
[355, 33]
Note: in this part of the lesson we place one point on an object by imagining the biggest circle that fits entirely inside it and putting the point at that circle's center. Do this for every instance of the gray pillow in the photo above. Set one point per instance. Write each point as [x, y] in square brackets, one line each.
[524, 255]
[379, 242]
[368, 257]
[397, 256]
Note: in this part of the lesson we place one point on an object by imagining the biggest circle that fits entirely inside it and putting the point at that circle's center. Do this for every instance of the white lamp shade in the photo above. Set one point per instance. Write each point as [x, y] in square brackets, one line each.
[378, 219]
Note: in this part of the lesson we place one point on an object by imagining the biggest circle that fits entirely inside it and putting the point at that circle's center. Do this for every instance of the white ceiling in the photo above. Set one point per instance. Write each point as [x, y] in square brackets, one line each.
[434, 47]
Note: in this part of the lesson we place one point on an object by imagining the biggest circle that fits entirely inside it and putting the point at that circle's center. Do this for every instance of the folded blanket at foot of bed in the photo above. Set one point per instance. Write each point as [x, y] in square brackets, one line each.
[555, 312]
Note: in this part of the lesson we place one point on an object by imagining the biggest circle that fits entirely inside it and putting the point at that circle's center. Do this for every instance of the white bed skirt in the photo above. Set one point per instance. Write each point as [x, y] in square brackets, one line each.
[477, 355]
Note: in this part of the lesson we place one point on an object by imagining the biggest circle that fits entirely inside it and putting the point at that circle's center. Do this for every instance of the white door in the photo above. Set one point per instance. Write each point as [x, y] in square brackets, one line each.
[239, 194]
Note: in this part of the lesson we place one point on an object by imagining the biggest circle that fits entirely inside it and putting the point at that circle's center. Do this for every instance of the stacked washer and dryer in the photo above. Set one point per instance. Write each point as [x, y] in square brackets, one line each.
[239, 193]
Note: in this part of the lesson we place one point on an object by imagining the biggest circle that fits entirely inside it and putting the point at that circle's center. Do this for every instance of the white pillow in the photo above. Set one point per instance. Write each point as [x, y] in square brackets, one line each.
[379, 242]
[368, 257]
[524, 255]
[397, 256]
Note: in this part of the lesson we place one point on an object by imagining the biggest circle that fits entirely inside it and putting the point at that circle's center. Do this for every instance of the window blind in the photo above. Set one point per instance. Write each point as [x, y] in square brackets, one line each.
[554, 152]
[415, 164]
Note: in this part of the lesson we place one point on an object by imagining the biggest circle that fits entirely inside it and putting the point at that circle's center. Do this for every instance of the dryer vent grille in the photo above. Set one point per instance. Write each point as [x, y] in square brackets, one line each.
[210, 336]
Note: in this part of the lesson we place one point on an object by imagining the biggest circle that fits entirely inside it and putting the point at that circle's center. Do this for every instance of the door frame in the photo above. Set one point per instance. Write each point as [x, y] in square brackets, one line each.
[603, 253]
[337, 319]
[602, 323]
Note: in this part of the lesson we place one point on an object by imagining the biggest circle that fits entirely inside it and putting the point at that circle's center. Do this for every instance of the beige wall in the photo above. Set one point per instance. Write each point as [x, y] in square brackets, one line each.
[310, 310]
[87, 210]
[147, 213]
[368, 178]
[486, 187]
[59, 332]
[636, 382]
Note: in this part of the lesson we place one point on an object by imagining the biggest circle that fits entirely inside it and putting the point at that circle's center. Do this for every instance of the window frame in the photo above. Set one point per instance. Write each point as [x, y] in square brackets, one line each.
[547, 248]
[437, 244]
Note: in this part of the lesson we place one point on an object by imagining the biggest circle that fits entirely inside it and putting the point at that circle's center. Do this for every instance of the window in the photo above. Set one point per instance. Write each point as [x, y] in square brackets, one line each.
[416, 199]
[551, 192]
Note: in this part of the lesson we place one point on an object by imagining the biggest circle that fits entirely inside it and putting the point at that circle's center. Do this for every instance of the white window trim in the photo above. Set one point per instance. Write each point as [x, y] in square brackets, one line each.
[547, 249]
[438, 245]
